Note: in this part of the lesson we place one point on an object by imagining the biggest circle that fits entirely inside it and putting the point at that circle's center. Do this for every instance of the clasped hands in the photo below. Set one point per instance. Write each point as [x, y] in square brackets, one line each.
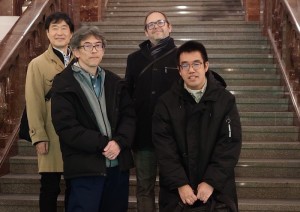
[187, 195]
[112, 150]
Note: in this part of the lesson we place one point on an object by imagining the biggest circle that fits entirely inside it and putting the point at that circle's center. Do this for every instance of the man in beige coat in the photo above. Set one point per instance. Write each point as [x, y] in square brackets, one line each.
[40, 74]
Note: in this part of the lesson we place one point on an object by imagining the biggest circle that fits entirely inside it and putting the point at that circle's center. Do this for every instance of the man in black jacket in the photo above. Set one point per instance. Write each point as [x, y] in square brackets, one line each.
[197, 136]
[95, 120]
[150, 72]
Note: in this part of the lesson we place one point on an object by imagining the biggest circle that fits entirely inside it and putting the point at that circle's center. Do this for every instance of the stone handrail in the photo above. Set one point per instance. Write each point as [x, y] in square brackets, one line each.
[281, 23]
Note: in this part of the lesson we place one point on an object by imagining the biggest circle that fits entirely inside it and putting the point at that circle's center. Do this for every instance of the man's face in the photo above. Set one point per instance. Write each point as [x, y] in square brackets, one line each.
[90, 53]
[157, 33]
[59, 35]
[192, 69]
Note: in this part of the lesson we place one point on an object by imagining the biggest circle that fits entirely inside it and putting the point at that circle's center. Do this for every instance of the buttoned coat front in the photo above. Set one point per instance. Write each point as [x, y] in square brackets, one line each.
[40, 74]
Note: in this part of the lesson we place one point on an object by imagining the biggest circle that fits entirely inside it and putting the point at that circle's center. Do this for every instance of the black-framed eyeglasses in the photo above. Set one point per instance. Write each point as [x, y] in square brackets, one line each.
[89, 46]
[159, 23]
[186, 66]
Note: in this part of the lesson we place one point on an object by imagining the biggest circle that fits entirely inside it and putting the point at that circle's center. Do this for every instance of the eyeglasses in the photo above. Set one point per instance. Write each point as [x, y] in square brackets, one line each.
[159, 23]
[89, 46]
[186, 66]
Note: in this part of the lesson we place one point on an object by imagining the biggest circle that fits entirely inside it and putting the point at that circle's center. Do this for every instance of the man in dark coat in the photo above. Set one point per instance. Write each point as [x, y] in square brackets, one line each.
[150, 72]
[94, 118]
[197, 136]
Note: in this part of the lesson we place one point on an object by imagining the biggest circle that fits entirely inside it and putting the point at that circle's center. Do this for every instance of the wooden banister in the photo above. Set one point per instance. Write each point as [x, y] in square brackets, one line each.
[281, 23]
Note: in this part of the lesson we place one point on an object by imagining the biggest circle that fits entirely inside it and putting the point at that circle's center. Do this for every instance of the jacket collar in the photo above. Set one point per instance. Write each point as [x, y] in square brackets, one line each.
[214, 83]
[145, 47]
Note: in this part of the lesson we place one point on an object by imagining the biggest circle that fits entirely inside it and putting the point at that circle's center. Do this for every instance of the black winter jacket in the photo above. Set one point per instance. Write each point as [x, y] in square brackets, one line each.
[146, 87]
[75, 123]
[197, 142]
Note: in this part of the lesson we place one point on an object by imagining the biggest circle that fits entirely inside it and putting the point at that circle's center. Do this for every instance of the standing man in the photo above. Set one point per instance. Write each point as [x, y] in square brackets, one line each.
[40, 74]
[94, 117]
[150, 72]
[197, 136]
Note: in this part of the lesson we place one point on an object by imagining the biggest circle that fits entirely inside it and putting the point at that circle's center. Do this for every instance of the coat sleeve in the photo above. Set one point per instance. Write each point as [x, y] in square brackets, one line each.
[129, 75]
[35, 103]
[70, 130]
[172, 172]
[227, 149]
[126, 122]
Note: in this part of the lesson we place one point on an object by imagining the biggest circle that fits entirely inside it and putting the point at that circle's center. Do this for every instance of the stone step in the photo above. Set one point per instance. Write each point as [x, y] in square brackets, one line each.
[119, 68]
[190, 15]
[275, 168]
[267, 118]
[221, 2]
[262, 104]
[178, 4]
[250, 149]
[270, 133]
[25, 203]
[274, 151]
[258, 92]
[25, 148]
[211, 49]
[203, 27]
[23, 164]
[213, 58]
[268, 188]
[259, 187]
[270, 150]
[230, 40]
[201, 9]
[178, 23]
[140, 32]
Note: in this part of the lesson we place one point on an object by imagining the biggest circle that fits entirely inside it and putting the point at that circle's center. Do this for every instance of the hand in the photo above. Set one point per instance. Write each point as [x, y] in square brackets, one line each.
[187, 195]
[112, 150]
[204, 191]
[42, 147]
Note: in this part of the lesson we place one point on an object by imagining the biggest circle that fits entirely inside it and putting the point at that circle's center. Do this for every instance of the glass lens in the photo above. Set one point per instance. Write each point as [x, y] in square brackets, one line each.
[160, 23]
[196, 66]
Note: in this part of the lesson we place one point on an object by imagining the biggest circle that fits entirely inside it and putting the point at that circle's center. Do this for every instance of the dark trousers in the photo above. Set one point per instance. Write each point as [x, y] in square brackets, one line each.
[49, 191]
[146, 168]
[100, 193]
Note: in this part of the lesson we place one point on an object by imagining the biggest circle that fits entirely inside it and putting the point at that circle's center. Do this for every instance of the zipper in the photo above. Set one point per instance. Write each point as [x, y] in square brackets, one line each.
[229, 126]
[171, 68]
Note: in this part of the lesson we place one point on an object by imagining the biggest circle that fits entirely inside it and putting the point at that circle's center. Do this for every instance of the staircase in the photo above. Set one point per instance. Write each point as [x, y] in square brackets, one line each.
[268, 172]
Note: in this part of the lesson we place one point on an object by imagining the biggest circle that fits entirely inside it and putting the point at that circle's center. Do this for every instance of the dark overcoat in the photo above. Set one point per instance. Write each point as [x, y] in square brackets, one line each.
[145, 86]
[81, 142]
[196, 142]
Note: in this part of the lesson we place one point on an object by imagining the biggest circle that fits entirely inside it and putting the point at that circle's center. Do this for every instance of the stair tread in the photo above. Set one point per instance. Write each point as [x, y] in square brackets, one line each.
[242, 201]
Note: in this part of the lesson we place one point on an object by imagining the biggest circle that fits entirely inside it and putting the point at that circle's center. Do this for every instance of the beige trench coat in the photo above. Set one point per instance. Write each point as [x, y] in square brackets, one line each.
[39, 78]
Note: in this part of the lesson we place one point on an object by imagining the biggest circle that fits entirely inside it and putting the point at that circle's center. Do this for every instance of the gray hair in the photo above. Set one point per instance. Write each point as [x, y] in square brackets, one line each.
[84, 32]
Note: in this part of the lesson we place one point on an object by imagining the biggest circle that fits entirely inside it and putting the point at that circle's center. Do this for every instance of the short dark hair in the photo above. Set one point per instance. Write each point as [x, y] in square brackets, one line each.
[56, 18]
[192, 46]
[84, 32]
[154, 11]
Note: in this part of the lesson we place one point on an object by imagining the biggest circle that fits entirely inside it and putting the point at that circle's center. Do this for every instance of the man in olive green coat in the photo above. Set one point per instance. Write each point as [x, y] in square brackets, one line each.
[40, 74]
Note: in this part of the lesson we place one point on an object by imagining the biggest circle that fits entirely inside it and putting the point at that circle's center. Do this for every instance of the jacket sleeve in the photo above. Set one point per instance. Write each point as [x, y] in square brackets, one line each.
[172, 172]
[70, 130]
[126, 122]
[129, 75]
[227, 149]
